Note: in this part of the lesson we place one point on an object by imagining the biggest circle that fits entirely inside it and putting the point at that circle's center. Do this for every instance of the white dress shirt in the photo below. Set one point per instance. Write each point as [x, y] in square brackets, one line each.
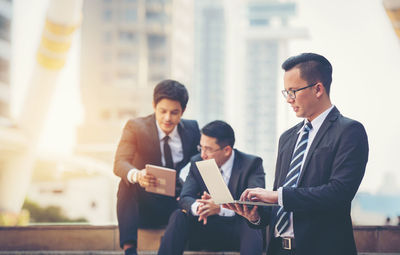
[175, 143]
[316, 124]
[226, 171]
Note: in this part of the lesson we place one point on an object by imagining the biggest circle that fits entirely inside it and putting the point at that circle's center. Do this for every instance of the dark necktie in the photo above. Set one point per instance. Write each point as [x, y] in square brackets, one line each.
[292, 177]
[167, 153]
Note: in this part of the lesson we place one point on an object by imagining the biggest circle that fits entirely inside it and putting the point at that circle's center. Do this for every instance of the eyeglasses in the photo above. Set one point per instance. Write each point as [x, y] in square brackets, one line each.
[292, 93]
[207, 149]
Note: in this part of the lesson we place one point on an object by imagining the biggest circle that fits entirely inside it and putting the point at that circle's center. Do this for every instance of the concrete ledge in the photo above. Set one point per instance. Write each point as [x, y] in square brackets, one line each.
[140, 253]
[86, 239]
[72, 237]
[381, 239]
[108, 253]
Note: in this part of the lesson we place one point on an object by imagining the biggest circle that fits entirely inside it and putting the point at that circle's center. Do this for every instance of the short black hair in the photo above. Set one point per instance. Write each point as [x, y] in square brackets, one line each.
[220, 130]
[313, 68]
[172, 90]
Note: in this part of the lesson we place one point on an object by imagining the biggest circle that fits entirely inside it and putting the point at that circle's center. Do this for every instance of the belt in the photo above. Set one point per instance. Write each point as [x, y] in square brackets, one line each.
[287, 243]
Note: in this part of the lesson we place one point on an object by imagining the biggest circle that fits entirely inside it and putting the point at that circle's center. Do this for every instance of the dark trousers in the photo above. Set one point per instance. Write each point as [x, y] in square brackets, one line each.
[220, 233]
[137, 208]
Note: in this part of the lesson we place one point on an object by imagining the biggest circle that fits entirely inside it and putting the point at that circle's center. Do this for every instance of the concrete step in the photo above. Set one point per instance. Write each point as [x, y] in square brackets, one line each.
[141, 253]
[76, 239]
[107, 253]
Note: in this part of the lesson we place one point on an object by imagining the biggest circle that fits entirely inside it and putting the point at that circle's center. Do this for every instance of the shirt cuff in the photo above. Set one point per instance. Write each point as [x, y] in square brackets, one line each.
[130, 175]
[226, 212]
[257, 222]
[194, 207]
[280, 196]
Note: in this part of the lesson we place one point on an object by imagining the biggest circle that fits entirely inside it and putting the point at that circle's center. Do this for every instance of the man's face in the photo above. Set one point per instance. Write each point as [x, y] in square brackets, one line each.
[168, 114]
[304, 103]
[211, 150]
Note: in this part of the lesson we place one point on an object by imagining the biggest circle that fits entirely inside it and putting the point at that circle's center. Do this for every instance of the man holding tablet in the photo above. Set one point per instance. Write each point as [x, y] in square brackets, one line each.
[202, 222]
[161, 139]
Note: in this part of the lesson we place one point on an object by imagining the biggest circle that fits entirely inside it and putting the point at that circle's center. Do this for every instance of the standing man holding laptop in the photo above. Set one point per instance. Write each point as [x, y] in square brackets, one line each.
[205, 224]
[162, 139]
[321, 162]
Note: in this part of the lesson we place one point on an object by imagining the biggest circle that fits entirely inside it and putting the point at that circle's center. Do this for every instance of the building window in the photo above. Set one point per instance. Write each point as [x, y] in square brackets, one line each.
[107, 37]
[127, 36]
[157, 60]
[107, 15]
[156, 17]
[127, 57]
[4, 29]
[156, 41]
[129, 15]
[259, 22]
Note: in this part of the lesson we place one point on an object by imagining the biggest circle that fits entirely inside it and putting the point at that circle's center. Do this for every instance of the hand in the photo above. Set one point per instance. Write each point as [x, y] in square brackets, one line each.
[207, 207]
[145, 179]
[252, 215]
[259, 194]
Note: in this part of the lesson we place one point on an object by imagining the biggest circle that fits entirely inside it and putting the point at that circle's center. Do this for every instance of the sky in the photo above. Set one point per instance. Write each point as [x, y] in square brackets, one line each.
[355, 35]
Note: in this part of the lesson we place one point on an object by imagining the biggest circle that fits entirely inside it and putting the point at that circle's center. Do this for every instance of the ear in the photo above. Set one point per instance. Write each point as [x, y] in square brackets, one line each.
[227, 150]
[320, 89]
[154, 105]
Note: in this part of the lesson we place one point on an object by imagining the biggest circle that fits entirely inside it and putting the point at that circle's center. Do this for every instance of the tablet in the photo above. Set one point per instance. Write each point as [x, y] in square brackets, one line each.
[166, 180]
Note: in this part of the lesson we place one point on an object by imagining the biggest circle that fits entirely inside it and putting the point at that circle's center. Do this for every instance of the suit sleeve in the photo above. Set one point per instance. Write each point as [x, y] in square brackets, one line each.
[125, 152]
[190, 190]
[257, 179]
[349, 159]
[256, 176]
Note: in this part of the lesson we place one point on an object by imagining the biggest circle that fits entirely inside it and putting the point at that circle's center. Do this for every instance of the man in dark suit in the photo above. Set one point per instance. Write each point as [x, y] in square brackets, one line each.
[203, 223]
[162, 139]
[321, 162]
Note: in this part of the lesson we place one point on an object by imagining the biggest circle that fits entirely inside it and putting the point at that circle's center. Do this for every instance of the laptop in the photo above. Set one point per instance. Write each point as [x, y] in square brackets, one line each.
[215, 183]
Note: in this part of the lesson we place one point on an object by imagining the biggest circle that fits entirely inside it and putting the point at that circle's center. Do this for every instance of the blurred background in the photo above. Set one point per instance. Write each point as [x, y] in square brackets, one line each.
[73, 72]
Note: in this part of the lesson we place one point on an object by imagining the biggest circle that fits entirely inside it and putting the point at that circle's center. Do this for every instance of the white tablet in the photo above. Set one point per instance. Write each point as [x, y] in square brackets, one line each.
[166, 180]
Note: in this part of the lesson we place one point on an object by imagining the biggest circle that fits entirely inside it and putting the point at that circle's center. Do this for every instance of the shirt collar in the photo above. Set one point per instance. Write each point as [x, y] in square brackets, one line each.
[227, 166]
[172, 135]
[317, 122]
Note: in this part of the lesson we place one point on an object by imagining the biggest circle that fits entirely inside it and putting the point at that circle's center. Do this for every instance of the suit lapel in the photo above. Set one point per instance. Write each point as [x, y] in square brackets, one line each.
[184, 138]
[183, 133]
[332, 116]
[235, 175]
[154, 140]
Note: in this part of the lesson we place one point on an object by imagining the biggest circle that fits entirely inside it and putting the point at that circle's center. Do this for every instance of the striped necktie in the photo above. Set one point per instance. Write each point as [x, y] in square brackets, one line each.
[292, 177]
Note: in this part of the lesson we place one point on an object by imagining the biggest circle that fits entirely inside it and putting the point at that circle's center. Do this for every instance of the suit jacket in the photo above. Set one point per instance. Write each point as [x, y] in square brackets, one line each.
[331, 174]
[247, 172]
[140, 145]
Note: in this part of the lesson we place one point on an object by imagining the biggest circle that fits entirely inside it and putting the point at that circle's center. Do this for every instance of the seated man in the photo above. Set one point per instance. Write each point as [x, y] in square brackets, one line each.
[203, 223]
[162, 139]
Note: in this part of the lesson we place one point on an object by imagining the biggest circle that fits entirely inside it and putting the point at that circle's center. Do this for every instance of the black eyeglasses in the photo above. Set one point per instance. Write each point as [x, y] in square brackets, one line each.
[207, 150]
[292, 93]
